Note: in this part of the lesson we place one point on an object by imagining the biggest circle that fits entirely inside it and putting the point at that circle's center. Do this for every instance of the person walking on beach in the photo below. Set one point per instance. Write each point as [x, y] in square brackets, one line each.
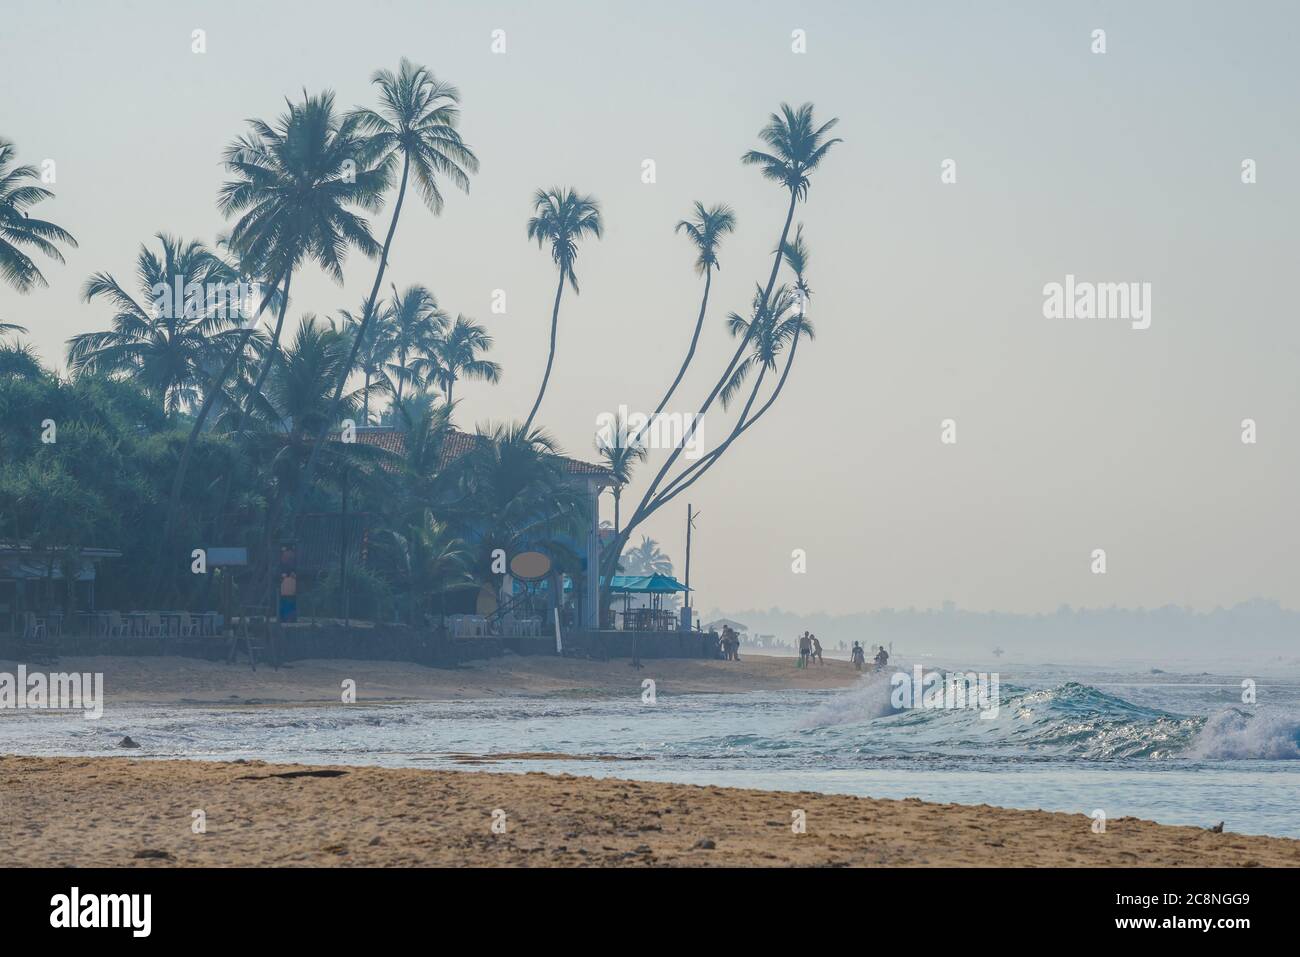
[859, 656]
[805, 649]
[816, 650]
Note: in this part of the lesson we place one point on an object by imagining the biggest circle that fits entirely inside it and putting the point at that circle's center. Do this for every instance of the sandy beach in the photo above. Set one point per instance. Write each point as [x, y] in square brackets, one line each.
[175, 680]
[121, 812]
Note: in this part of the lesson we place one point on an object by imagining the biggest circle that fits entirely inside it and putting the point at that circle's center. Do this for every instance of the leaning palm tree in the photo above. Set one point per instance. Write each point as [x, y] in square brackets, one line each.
[18, 229]
[705, 231]
[415, 322]
[416, 120]
[561, 217]
[620, 452]
[297, 187]
[795, 148]
[455, 356]
[165, 345]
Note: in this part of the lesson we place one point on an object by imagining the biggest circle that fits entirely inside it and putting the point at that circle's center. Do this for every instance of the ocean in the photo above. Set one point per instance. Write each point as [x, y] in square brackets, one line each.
[1178, 748]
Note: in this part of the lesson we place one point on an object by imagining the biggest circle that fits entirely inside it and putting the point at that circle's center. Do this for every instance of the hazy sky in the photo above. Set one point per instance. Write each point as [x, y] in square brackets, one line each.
[1071, 434]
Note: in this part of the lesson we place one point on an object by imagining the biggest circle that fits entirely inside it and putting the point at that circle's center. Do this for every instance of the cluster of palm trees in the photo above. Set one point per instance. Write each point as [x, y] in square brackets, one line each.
[300, 193]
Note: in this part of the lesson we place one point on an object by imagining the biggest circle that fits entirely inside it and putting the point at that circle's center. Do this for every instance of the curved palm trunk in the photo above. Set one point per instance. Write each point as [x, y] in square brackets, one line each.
[690, 353]
[550, 359]
[337, 401]
[648, 504]
[173, 501]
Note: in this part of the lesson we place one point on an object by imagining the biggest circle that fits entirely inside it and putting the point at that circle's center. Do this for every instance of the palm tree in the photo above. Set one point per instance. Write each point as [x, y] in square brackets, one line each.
[17, 228]
[295, 188]
[562, 217]
[796, 146]
[166, 346]
[647, 559]
[518, 494]
[295, 184]
[454, 355]
[705, 231]
[415, 322]
[416, 120]
[19, 361]
[620, 453]
[766, 333]
[372, 358]
[12, 327]
[430, 563]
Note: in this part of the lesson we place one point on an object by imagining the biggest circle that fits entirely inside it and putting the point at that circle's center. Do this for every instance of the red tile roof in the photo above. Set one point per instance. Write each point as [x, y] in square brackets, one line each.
[457, 444]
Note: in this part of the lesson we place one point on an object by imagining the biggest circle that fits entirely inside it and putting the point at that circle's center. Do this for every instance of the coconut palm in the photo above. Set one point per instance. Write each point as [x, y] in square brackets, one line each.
[415, 322]
[518, 495]
[795, 148]
[19, 361]
[12, 327]
[646, 559]
[454, 355]
[767, 333]
[620, 452]
[165, 345]
[373, 356]
[430, 563]
[18, 229]
[416, 121]
[561, 217]
[297, 187]
[705, 230]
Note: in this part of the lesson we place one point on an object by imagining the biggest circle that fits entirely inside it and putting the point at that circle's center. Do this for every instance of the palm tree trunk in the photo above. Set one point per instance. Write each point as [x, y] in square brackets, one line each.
[690, 353]
[647, 505]
[356, 345]
[173, 501]
[555, 323]
[366, 400]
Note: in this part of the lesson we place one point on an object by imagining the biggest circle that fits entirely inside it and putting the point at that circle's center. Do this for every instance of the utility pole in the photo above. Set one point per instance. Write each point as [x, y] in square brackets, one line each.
[690, 524]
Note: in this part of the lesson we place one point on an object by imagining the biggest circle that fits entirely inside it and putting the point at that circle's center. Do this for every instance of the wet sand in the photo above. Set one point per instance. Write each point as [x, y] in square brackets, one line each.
[120, 812]
[175, 680]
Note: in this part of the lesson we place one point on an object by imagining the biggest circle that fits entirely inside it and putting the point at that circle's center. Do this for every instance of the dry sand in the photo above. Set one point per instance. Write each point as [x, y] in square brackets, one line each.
[123, 812]
[173, 680]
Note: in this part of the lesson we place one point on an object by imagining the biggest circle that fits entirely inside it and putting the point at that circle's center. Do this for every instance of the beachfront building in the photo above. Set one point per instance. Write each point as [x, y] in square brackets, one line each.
[586, 478]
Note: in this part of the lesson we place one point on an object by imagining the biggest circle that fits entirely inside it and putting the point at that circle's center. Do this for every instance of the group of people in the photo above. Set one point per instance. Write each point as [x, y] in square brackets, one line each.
[729, 644]
[859, 656]
[810, 650]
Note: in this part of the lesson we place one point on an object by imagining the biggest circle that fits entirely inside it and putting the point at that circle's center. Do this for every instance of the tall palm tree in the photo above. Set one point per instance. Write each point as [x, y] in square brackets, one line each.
[767, 334]
[297, 190]
[795, 148]
[620, 453]
[455, 356]
[416, 121]
[705, 231]
[296, 187]
[165, 345]
[561, 217]
[17, 228]
[415, 322]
